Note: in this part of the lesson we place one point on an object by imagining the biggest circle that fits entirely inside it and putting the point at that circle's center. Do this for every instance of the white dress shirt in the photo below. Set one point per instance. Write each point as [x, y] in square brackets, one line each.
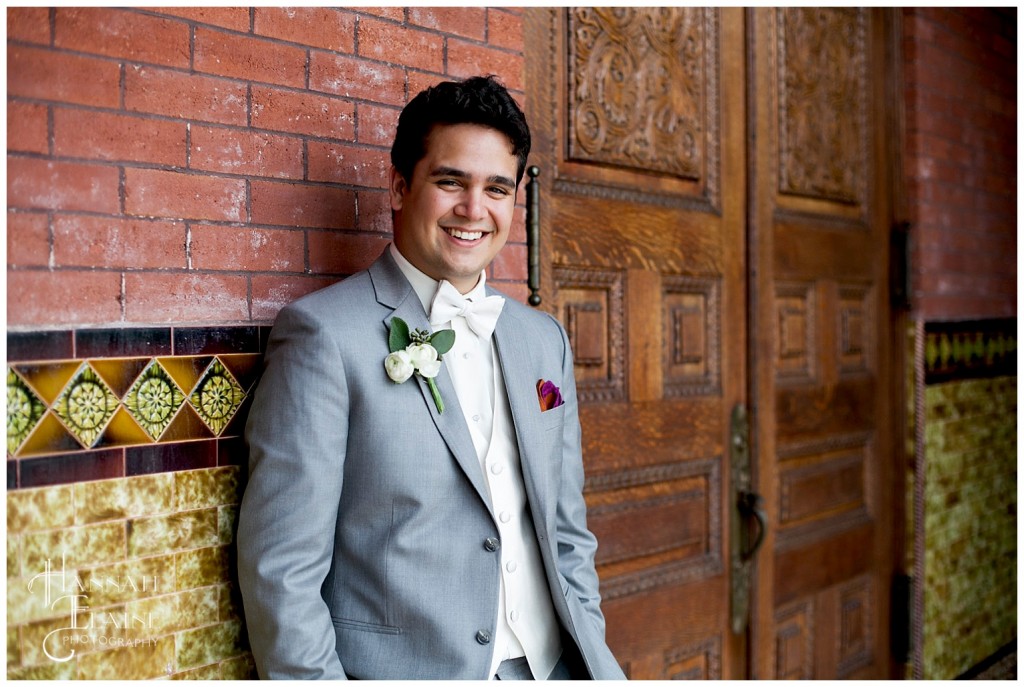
[527, 625]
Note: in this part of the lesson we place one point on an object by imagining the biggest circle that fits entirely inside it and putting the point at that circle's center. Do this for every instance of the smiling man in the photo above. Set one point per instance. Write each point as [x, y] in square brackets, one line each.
[421, 518]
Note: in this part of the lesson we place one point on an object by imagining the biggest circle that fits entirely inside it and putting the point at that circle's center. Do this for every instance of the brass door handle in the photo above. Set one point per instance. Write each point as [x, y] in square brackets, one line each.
[533, 234]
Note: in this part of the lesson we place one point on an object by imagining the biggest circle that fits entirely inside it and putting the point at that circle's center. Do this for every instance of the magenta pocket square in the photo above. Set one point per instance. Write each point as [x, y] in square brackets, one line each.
[550, 395]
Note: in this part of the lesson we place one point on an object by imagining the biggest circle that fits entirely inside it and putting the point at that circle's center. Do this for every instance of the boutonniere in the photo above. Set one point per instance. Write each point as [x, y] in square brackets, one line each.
[417, 352]
[550, 395]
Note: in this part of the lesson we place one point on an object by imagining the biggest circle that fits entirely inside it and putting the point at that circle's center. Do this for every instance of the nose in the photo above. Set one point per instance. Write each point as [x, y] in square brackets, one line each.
[471, 205]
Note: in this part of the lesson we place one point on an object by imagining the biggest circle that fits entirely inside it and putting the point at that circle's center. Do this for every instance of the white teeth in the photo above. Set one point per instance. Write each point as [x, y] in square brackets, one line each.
[465, 235]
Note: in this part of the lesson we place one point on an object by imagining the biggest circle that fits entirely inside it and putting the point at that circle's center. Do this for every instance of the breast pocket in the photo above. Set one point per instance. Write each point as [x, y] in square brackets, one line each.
[552, 420]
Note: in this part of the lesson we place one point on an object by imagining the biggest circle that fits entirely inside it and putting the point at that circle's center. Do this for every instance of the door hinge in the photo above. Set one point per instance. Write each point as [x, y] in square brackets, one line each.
[899, 630]
[899, 266]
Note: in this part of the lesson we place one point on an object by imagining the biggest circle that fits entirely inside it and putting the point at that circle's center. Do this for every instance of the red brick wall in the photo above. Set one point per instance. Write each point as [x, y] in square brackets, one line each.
[961, 160]
[210, 165]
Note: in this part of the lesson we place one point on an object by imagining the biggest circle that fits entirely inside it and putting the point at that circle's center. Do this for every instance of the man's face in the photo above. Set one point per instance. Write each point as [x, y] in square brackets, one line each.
[454, 215]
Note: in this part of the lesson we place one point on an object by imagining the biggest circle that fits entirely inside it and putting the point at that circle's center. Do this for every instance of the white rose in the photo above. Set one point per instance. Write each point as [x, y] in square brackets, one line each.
[430, 369]
[422, 355]
[399, 366]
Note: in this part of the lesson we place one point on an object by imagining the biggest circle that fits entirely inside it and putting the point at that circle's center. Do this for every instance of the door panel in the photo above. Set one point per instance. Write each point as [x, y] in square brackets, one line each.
[640, 141]
[687, 291]
[819, 228]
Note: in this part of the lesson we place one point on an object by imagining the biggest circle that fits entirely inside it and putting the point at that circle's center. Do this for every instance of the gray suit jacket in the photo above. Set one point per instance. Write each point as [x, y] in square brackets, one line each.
[363, 533]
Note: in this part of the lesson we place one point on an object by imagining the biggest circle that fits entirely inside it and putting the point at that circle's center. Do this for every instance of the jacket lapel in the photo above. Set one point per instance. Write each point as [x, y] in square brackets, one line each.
[518, 370]
[394, 291]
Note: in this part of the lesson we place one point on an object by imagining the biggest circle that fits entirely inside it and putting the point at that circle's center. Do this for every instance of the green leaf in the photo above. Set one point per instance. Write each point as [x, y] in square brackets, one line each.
[443, 340]
[398, 339]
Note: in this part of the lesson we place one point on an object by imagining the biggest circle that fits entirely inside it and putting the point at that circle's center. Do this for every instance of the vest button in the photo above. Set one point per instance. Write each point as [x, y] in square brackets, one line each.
[483, 637]
[492, 544]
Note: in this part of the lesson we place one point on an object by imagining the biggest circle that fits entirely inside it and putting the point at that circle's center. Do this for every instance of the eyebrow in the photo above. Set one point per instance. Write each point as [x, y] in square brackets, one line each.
[459, 174]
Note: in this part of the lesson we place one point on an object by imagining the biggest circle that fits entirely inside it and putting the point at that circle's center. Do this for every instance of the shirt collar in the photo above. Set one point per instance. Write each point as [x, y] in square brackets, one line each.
[424, 286]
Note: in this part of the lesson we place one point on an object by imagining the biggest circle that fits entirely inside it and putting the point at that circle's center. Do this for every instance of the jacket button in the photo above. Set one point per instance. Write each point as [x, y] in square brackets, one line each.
[492, 544]
[483, 637]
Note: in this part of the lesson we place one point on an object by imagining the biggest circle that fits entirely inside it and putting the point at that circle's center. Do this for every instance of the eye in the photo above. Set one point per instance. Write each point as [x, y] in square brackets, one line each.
[498, 191]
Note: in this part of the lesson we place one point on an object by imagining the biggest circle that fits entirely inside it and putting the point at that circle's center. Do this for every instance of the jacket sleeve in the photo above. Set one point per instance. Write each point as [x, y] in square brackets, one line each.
[297, 432]
[577, 545]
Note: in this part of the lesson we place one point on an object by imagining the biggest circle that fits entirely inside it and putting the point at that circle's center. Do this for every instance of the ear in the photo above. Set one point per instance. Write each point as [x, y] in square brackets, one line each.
[396, 188]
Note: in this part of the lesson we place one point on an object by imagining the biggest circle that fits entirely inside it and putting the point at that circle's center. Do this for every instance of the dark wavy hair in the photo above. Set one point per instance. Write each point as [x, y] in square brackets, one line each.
[477, 100]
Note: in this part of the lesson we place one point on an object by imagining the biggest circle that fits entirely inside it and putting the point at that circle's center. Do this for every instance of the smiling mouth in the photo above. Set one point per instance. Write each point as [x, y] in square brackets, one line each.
[464, 235]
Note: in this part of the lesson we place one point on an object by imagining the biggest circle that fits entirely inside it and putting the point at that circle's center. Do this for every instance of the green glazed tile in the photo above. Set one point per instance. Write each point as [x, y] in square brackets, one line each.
[239, 668]
[210, 672]
[50, 671]
[231, 603]
[227, 517]
[86, 405]
[58, 638]
[172, 613]
[89, 545]
[164, 534]
[130, 497]
[217, 397]
[13, 648]
[208, 645]
[13, 556]
[127, 581]
[207, 488]
[147, 659]
[154, 400]
[203, 567]
[24, 411]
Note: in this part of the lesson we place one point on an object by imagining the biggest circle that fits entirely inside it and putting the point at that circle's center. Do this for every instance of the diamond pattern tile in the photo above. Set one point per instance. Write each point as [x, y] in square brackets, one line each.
[62, 406]
[86, 405]
[217, 397]
[154, 399]
[24, 411]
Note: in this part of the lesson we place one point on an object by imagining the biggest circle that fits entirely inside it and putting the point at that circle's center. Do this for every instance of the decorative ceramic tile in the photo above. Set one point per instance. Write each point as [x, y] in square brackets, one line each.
[154, 399]
[203, 567]
[86, 406]
[24, 411]
[144, 659]
[174, 532]
[206, 645]
[217, 397]
[206, 488]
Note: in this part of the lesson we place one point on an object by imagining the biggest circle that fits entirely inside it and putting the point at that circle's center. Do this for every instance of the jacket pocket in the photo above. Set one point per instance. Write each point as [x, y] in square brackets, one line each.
[343, 624]
[552, 419]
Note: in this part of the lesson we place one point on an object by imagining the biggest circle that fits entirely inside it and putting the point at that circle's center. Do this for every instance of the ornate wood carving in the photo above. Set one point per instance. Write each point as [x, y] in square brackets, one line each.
[699, 661]
[856, 336]
[823, 487]
[591, 304]
[794, 642]
[642, 97]
[674, 513]
[822, 103]
[692, 333]
[795, 336]
[856, 620]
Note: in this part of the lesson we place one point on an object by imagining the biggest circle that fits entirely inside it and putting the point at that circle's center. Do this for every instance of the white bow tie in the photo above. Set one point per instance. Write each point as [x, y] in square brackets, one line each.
[481, 315]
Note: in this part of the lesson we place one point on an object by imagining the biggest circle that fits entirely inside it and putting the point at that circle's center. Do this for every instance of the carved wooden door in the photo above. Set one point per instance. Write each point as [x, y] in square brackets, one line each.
[638, 123]
[688, 292]
[823, 385]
